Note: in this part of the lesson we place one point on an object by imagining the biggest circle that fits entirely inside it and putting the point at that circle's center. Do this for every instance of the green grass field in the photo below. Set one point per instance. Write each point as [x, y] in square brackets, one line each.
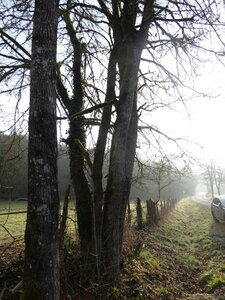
[13, 225]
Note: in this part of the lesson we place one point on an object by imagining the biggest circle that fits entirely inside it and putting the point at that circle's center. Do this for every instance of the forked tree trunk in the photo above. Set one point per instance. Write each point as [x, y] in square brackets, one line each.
[131, 41]
[41, 271]
[100, 151]
[121, 163]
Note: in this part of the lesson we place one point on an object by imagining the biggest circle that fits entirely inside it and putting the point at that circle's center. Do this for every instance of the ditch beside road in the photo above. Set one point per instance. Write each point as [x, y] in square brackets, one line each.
[182, 258]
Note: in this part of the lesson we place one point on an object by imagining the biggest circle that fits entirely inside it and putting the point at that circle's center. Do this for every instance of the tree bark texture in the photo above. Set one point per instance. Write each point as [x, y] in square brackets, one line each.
[128, 45]
[77, 136]
[41, 271]
[121, 162]
[62, 228]
[62, 232]
[131, 43]
[152, 212]
[100, 148]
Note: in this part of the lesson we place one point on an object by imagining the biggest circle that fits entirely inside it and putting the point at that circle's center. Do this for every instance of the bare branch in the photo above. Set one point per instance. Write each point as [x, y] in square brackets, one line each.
[18, 45]
[88, 110]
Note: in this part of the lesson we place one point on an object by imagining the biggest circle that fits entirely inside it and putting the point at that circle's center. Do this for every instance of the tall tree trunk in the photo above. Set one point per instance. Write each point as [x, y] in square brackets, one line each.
[100, 149]
[121, 162]
[41, 271]
[130, 155]
[76, 140]
[131, 42]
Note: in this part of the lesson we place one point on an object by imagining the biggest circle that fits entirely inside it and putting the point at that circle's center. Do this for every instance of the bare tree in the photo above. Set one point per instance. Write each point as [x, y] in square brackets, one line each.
[162, 174]
[219, 178]
[214, 176]
[209, 175]
[41, 271]
[135, 82]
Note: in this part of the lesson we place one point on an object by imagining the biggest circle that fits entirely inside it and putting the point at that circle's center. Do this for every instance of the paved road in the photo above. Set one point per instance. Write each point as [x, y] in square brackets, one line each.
[202, 200]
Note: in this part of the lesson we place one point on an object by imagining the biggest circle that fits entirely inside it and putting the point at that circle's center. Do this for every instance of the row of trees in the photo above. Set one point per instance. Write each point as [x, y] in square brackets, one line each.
[214, 178]
[112, 63]
[153, 211]
[156, 179]
[161, 179]
[13, 166]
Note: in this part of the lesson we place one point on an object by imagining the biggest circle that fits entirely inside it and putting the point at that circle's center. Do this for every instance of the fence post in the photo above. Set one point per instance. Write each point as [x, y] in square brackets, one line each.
[139, 214]
[129, 215]
[148, 212]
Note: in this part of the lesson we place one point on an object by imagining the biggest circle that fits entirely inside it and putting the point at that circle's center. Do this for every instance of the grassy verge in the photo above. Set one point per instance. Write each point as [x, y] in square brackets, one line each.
[182, 258]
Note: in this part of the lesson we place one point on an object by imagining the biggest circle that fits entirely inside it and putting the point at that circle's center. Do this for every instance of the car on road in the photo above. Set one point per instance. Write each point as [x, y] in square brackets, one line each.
[218, 208]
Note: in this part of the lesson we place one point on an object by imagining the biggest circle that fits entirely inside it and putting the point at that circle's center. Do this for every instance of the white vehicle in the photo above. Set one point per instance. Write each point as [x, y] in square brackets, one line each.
[218, 208]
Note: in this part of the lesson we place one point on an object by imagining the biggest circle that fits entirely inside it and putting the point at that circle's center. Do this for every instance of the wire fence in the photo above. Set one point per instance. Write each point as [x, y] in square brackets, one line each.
[13, 217]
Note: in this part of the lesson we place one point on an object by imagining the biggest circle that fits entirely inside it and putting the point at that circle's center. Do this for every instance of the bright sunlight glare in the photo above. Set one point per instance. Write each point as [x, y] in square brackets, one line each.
[201, 120]
[208, 115]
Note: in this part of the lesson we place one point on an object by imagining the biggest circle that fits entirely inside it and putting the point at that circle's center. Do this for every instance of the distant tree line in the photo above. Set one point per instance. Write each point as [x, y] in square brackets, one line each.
[162, 180]
[13, 166]
[147, 179]
[213, 176]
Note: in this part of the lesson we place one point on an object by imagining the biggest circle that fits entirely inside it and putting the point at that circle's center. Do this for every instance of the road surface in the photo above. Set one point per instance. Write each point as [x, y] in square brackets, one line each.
[202, 200]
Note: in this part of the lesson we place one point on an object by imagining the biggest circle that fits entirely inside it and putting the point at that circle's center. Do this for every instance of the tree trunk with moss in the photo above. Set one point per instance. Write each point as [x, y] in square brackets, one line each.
[76, 141]
[41, 271]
